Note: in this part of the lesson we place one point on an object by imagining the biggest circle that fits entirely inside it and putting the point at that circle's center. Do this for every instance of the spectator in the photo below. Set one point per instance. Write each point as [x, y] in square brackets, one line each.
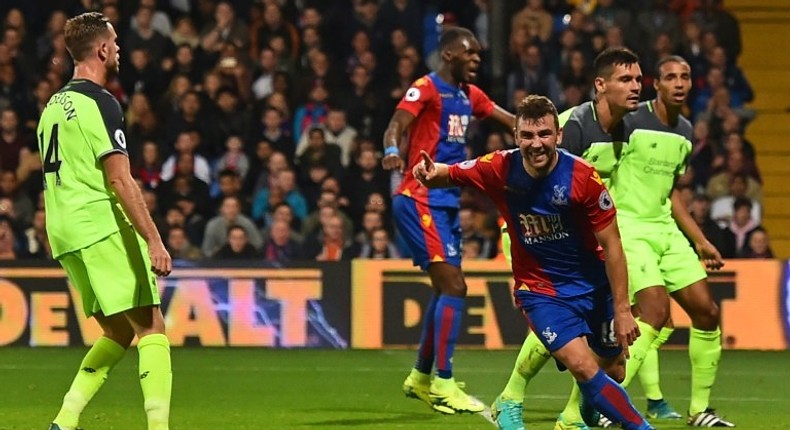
[149, 169]
[311, 114]
[331, 244]
[320, 153]
[146, 38]
[336, 131]
[280, 247]
[234, 158]
[185, 184]
[237, 246]
[186, 160]
[311, 225]
[370, 221]
[185, 33]
[36, 237]
[535, 19]
[742, 224]
[722, 238]
[758, 245]
[12, 142]
[262, 86]
[218, 228]
[285, 184]
[179, 246]
[532, 76]
[225, 29]
[7, 238]
[469, 233]
[715, 19]
[283, 212]
[380, 246]
[159, 20]
[366, 179]
[229, 185]
[273, 25]
[719, 184]
[722, 208]
[23, 206]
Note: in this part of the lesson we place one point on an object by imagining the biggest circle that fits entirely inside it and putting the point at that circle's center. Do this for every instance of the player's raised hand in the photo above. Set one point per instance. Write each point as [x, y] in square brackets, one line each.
[710, 255]
[425, 170]
[392, 162]
[626, 330]
[161, 263]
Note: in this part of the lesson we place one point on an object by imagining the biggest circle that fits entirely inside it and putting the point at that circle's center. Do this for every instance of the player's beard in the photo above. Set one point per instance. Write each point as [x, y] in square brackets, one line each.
[113, 68]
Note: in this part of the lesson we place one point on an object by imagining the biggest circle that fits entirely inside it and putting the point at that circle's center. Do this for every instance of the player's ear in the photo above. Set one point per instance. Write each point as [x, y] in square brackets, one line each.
[103, 51]
[599, 84]
[559, 136]
[447, 55]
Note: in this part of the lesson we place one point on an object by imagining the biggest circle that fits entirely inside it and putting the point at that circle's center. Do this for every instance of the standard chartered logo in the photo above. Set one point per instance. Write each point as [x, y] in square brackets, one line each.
[660, 167]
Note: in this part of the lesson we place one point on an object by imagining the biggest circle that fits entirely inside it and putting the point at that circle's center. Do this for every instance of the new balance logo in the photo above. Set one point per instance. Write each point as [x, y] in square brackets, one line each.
[88, 370]
[143, 375]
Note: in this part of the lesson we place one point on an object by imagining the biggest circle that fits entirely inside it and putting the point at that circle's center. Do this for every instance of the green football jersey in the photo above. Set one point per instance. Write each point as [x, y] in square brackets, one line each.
[80, 124]
[655, 156]
[583, 136]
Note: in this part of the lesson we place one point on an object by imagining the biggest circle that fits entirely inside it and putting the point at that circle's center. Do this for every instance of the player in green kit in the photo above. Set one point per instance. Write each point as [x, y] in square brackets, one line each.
[594, 131]
[99, 227]
[661, 263]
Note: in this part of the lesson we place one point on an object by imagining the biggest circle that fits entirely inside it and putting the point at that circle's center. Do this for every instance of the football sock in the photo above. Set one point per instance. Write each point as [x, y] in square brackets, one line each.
[704, 352]
[572, 413]
[425, 354]
[156, 379]
[649, 373]
[639, 350]
[100, 359]
[608, 397]
[447, 324]
[531, 358]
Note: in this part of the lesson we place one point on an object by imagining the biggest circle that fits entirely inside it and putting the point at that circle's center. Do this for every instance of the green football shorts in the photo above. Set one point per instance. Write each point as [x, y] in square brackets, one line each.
[113, 275]
[659, 256]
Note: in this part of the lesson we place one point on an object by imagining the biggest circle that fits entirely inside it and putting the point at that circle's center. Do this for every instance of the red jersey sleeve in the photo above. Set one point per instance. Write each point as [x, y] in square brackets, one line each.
[598, 205]
[420, 94]
[482, 106]
[485, 172]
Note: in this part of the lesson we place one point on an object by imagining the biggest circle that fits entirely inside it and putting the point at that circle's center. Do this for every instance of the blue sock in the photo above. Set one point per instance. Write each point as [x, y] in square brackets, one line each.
[610, 399]
[447, 324]
[426, 352]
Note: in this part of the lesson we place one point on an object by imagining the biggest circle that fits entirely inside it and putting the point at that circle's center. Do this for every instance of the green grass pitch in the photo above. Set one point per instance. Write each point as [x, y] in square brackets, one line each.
[239, 389]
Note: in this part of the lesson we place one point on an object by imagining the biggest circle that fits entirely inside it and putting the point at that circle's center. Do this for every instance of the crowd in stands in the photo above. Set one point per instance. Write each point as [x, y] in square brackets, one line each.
[254, 126]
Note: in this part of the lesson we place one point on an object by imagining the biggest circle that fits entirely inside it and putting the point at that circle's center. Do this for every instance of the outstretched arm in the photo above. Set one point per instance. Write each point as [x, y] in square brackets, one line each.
[708, 253]
[430, 174]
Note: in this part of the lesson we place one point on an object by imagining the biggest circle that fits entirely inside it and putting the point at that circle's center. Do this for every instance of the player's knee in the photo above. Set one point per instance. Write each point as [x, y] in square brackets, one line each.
[707, 318]
[583, 369]
[656, 315]
[616, 370]
[121, 335]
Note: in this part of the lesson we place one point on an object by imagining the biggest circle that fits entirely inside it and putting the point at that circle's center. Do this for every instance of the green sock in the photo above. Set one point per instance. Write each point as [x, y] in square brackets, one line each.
[100, 359]
[571, 413]
[705, 352]
[531, 358]
[649, 373]
[156, 379]
[639, 350]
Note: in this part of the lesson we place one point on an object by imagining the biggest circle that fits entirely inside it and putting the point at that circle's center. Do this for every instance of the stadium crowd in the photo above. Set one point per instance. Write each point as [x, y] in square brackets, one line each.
[254, 126]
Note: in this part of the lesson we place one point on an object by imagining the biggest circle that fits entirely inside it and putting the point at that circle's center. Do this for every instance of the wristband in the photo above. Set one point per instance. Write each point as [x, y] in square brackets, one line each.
[391, 150]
